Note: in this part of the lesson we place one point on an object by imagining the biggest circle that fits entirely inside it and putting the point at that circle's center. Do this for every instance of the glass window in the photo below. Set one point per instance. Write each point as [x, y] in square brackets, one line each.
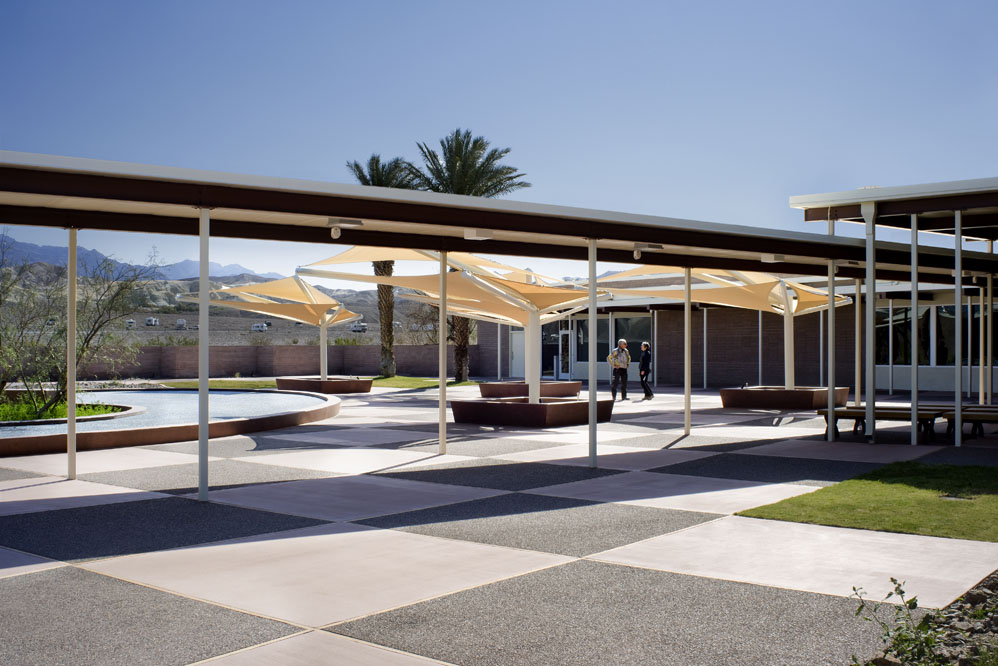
[902, 335]
[582, 338]
[946, 330]
[549, 347]
[633, 329]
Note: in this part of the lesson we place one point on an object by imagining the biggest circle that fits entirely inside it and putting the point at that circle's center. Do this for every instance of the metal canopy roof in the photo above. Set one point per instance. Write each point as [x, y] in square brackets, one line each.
[934, 203]
[47, 190]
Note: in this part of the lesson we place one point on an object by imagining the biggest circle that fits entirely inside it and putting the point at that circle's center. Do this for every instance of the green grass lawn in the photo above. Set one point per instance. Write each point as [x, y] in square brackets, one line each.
[388, 382]
[226, 384]
[909, 497]
[19, 411]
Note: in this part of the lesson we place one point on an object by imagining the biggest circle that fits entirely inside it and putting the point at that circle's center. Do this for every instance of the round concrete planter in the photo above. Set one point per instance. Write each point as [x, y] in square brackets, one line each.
[549, 413]
[516, 389]
[330, 385]
[778, 397]
[121, 437]
[126, 410]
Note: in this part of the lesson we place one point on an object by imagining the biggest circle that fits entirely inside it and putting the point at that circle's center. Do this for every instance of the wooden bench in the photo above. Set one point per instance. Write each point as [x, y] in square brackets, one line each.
[975, 415]
[926, 417]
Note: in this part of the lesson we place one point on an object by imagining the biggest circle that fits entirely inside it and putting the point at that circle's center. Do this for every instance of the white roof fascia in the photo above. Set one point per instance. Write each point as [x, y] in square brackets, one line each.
[177, 174]
[950, 188]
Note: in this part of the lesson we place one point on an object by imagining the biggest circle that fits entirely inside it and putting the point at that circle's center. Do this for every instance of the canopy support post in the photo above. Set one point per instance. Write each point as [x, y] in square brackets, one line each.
[687, 355]
[890, 346]
[914, 330]
[958, 326]
[704, 348]
[821, 347]
[323, 352]
[831, 337]
[788, 339]
[990, 332]
[759, 340]
[858, 344]
[498, 352]
[869, 215]
[442, 358]
[532, 356]
[204, 287]
[592, 352]
[71, 357]
[980, 346]
[654, 341]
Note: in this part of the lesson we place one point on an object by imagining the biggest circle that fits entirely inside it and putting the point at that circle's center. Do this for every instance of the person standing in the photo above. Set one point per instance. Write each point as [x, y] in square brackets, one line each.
[619, 359]
[644, 370]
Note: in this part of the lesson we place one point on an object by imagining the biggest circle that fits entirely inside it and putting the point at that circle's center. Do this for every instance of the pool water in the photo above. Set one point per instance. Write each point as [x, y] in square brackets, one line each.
[174, 408]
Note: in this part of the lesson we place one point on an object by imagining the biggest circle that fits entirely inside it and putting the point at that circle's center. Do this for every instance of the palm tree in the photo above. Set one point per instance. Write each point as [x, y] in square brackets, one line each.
[393, 173]
[467, 166]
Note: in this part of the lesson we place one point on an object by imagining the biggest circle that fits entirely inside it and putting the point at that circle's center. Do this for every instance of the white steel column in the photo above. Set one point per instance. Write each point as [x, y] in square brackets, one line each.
[821, 347]
[913, 352]
[592, 352]
[869, 339]
[759, 340]
[858, 345]
[442, 358]
[831, 338]
[323, 352]
[890, 346]
[958, 326]
[990, 331]
[970, 342]
[204, 286]
[71, 357]
[532, 356]
[705, 348]
[499, 352]
[687, 352]
[980, 346]
[654, 342]
[788, 338]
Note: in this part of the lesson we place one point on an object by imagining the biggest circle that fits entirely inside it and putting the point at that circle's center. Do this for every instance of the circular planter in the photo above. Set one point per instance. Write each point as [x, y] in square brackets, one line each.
[126, 410]
[516, 389]
[330, 385]
[548, 413]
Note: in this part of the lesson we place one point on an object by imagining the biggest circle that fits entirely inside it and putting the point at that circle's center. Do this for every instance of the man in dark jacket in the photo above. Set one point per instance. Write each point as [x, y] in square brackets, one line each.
[644, 370]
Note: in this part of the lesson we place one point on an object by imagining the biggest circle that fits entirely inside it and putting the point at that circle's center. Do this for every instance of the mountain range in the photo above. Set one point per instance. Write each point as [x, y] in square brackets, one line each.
[18, 252]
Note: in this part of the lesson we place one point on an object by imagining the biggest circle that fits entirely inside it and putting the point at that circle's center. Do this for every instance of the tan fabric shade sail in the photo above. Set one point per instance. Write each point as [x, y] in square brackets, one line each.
[484, 297]
[740, 289]
[300, 302]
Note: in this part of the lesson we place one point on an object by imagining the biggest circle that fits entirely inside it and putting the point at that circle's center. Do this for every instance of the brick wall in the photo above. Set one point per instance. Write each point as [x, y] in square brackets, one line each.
[732, 347]
[269, 361]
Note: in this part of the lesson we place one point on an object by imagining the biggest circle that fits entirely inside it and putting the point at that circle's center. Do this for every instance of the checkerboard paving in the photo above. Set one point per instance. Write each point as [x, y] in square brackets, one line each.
[356, 541]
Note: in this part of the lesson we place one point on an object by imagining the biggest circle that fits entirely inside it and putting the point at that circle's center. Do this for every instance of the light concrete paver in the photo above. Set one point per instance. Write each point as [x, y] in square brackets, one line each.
[325, 574]
[340, 460]
[697, 419]
[569, 436]
[816, 558]
[15, 563]
[354, 436]
[677, 491]
[46, 493]
[609, 456]
[852, 451]
[349, 497]
[320, 648]
[92, 462]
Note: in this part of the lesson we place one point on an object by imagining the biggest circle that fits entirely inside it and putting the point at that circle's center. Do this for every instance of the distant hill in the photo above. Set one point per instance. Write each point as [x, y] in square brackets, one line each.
[19, 252]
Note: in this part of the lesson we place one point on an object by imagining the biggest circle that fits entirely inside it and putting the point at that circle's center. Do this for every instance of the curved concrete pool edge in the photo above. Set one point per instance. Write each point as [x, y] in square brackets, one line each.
[121, 437]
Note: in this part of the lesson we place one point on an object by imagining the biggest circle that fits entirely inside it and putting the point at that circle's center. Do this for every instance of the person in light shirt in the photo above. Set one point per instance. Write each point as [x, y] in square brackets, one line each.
[619, 359]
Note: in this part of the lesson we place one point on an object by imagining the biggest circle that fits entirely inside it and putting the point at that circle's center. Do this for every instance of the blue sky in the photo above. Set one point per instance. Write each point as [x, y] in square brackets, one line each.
[710, 110]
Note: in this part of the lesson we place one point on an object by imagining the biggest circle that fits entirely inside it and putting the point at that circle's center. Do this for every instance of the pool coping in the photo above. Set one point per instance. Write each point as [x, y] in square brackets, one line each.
[121, 437]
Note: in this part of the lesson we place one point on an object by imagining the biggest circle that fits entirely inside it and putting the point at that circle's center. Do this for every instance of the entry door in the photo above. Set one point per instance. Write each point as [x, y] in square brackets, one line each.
[516, 353]
[564, 355]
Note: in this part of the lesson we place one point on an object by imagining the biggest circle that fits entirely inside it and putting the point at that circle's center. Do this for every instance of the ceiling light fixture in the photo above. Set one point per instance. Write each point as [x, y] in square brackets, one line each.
[338, 224]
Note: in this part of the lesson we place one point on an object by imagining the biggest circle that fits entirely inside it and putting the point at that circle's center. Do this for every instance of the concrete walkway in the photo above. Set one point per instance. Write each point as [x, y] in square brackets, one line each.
[353, 542]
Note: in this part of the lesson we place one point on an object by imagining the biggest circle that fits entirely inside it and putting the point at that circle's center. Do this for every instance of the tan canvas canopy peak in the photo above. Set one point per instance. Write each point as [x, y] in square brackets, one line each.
[750, 290]
[461, 260]
[300, 302]
[489, 298]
